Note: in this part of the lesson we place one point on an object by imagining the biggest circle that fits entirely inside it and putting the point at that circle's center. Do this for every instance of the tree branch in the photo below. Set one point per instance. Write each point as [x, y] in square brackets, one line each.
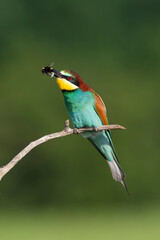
[67, 131]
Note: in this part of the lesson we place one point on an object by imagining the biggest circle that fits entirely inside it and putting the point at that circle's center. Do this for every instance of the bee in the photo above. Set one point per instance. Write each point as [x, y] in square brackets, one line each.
[48, 70]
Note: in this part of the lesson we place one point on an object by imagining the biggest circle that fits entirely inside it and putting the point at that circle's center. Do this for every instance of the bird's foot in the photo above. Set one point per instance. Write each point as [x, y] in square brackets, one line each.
[76, 131]
[95, 129]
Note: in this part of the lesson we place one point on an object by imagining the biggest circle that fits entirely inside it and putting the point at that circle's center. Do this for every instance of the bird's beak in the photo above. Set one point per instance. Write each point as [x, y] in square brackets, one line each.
[51, 72]
[57, 74]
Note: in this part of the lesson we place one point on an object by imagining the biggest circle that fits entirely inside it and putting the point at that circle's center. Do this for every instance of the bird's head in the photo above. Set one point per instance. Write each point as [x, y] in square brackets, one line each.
[67, 80]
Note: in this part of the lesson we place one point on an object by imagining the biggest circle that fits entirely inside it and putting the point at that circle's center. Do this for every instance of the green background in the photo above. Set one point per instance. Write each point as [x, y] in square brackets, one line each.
[63, 188]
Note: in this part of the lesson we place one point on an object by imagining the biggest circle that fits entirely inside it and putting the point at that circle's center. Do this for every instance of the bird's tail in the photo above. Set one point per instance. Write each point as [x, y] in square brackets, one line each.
[103, 143]
[117, 173]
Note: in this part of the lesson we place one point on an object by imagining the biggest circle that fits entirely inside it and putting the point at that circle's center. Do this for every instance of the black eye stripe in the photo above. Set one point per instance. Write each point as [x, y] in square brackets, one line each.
[68, 77]
[71, 80]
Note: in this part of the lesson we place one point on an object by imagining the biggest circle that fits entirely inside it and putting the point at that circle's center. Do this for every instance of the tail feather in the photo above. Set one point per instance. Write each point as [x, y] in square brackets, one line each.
[117, 173]
[125, 187]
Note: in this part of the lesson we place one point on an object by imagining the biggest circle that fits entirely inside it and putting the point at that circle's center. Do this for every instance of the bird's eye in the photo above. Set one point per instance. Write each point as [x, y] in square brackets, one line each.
[69, 78]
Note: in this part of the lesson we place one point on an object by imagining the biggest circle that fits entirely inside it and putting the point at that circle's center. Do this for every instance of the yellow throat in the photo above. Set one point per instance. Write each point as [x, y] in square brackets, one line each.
[65, 85]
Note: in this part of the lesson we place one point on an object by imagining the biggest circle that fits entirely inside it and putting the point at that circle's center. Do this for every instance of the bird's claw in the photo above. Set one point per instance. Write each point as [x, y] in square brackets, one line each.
[95, 129]
[76, 131]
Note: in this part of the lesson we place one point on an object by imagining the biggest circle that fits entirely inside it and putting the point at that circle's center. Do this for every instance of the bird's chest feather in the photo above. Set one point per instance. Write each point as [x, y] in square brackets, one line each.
[81, 108]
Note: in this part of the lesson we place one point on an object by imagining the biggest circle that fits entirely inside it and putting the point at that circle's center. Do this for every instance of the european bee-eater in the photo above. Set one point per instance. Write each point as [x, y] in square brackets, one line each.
[86, 109]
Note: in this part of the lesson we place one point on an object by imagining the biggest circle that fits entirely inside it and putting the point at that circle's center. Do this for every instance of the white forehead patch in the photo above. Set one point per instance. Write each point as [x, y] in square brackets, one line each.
[66, 73]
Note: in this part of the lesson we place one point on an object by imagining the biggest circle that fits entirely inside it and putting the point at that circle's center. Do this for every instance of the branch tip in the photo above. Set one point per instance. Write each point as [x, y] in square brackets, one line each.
[123, 128]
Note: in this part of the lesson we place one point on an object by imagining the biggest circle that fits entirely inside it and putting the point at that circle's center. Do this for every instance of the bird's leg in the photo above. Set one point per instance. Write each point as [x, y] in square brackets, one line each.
[76, 131]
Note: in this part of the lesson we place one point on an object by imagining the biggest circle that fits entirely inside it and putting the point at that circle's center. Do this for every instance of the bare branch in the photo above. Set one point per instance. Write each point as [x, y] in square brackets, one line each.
[67, 131]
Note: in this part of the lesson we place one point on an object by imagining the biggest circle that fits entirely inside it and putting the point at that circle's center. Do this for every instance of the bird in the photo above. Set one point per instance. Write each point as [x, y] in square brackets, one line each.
[87, 109]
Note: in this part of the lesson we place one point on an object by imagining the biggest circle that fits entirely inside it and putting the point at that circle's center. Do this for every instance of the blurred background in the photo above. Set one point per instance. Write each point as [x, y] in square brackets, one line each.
[63, 189]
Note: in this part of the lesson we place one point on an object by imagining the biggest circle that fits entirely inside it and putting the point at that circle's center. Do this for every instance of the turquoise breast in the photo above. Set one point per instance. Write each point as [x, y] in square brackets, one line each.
[81, 108]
